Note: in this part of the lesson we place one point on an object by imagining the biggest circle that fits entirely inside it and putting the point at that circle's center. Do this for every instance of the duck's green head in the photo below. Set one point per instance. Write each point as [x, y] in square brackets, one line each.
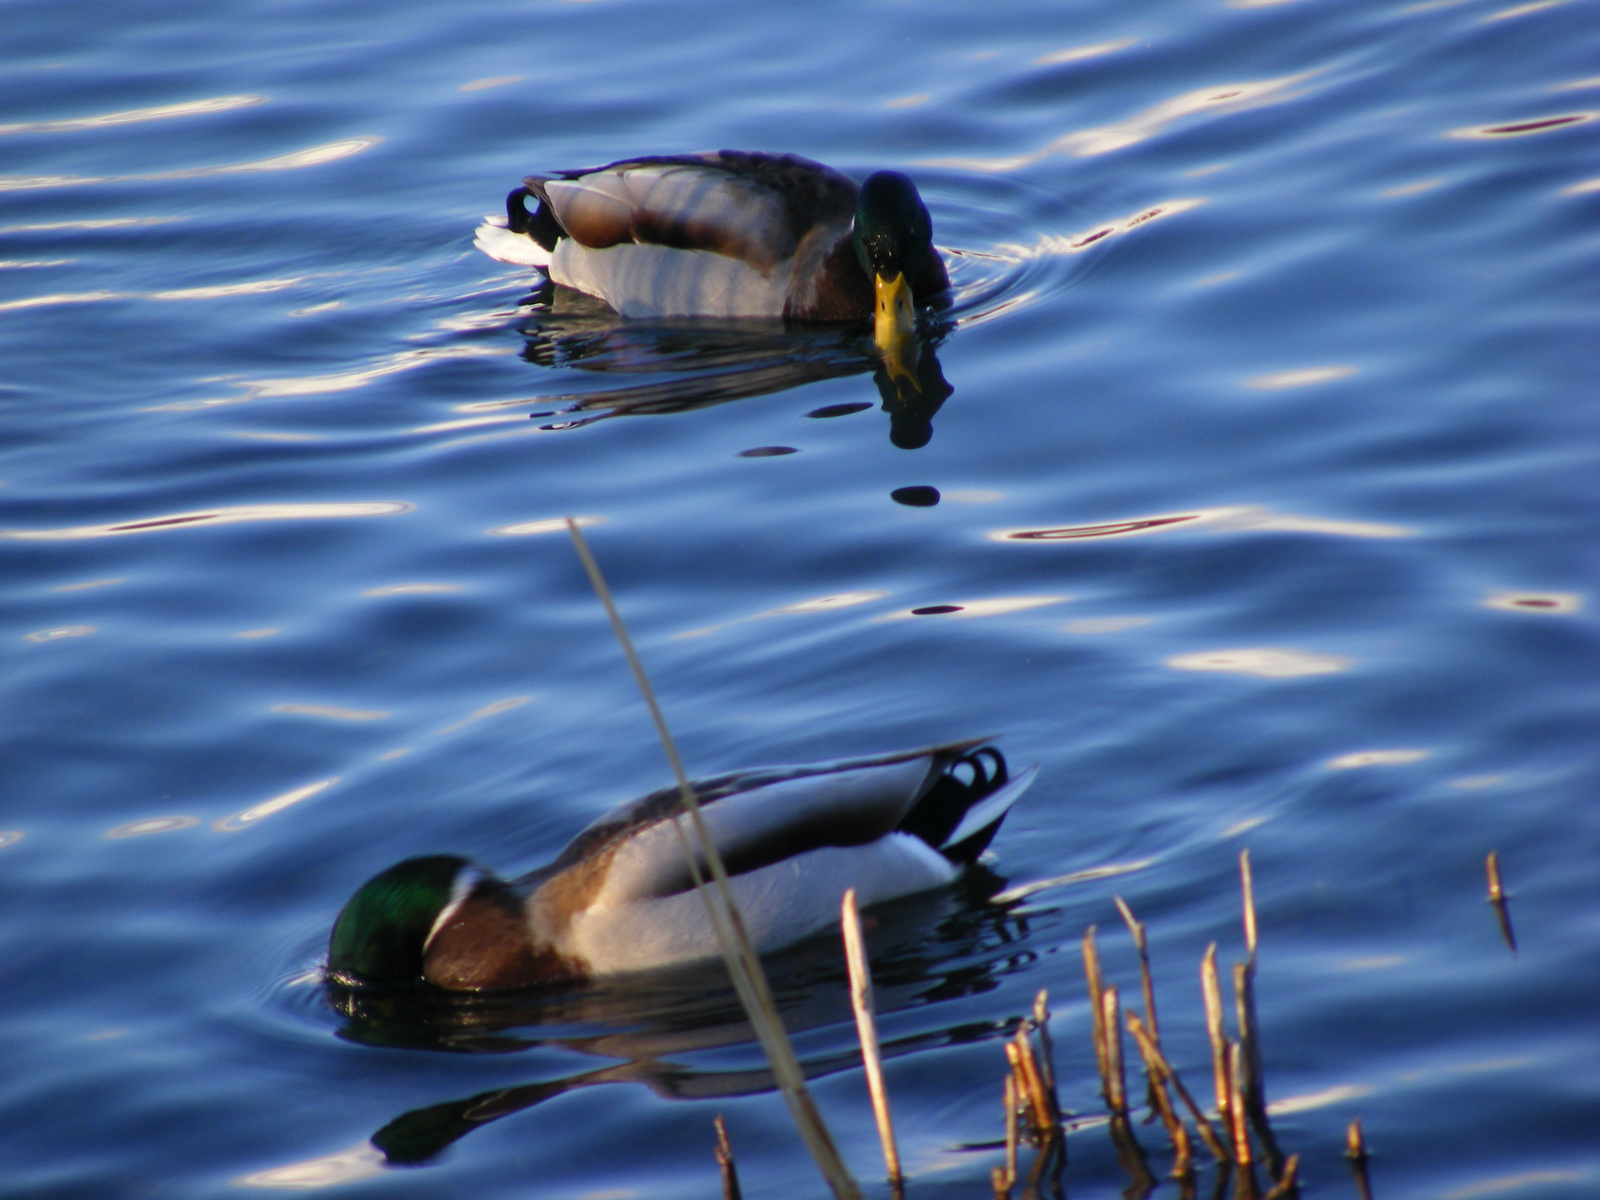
[383, 930]
[893, 240]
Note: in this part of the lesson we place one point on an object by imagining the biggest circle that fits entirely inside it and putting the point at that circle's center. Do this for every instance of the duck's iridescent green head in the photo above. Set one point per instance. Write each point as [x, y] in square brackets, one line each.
[382, 932]
[893, 240]
[893, 233]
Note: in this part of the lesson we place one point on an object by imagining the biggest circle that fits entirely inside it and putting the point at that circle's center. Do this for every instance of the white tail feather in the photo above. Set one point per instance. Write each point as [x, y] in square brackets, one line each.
[500, 244]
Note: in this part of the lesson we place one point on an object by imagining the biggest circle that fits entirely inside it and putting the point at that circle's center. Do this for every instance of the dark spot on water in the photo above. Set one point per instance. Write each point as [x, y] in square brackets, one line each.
[839, 410]
[767, 451]
[933, 610]
[162, 522]
[1113, 529]
[1090, 239]
[1532, 126]
[917, 496]
[1534, 603]
[542, 414]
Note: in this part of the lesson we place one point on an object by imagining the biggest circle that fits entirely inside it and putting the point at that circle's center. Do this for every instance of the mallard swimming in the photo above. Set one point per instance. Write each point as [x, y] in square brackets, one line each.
[730, 234]
[620, 897]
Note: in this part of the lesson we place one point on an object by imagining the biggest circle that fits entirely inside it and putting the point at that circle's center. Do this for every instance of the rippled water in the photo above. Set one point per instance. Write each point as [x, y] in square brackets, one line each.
[1261, 511]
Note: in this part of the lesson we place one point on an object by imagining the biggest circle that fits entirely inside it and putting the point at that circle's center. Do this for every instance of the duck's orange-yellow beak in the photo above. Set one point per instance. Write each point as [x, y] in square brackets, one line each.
[893, 322]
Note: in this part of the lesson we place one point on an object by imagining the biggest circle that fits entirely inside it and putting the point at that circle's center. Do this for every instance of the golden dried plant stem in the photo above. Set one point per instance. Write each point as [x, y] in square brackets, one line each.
[1286, 1183]
[1011, 1129]
[724, 1152]
[997, 1180]
[1033, 1081]
[1238, 1123]
[855, 955]
[1152, 1053]
[1116, 1080]
[1047, 1047]
[1091, 971]
[744, 966]
[1159, 1099]
[1211, 991]
[1247, 886]
[1355, 1144]
[1136, 928]
[1497, 892]
[1356, 1152]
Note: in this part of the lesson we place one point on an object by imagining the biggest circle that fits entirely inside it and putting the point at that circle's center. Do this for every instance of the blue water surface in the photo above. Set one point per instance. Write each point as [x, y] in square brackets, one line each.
[284, 596]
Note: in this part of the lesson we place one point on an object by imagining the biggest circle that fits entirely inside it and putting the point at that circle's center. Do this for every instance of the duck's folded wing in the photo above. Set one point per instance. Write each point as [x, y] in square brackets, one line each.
[780, 817]
[753, 207]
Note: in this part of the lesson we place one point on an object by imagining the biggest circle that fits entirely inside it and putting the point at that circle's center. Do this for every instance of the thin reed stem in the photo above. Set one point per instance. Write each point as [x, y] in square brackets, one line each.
[1153, 1053]
[855, 955]
[744, 966]
[1211, 991]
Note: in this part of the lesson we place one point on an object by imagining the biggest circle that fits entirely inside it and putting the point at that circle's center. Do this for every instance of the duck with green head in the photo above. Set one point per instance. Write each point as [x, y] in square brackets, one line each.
[620, 898]
[729, 233]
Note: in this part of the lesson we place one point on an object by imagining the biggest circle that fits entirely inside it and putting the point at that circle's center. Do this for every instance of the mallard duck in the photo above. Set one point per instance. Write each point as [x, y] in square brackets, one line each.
[620, 898]
[730, 234]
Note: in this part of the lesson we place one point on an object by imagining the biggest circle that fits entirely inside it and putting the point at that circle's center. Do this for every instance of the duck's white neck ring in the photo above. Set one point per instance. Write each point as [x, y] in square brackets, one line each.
[466, 881]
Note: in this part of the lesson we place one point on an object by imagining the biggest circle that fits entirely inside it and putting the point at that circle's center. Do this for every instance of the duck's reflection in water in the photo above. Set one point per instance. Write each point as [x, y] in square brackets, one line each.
[924, 949]
[709, 362]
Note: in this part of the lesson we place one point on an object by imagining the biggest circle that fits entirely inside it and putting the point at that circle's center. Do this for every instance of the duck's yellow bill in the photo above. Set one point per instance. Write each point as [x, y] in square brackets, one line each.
[893, 321]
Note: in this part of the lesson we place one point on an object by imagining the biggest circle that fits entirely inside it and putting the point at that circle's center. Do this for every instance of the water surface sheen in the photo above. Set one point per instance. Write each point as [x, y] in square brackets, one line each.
[1253, 495]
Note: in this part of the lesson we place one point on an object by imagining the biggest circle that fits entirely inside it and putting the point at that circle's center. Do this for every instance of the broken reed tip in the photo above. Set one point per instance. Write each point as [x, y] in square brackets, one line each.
[1135, 927]
[724, 1152]
[1355, 1144]
[1247, 886]
[1497, 893]
[997, 1180]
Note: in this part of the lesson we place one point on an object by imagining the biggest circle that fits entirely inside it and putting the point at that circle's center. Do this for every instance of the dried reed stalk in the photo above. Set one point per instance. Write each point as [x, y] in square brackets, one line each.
[1136, 928]
[1286, 1181]
[1047, 1049]
[1091, 971]
[855, 956]
[1044, 1113]
[1211, 991]
[1244, 999]
[1356, 1152]
[1497, 897]
[1247, 886]
[1238, 1124]
[744, 966]
[1116, 1081]
[1182, 1154]
[1011, 1128]
[997, 1180]
[1152, 1054]
[724, 1151]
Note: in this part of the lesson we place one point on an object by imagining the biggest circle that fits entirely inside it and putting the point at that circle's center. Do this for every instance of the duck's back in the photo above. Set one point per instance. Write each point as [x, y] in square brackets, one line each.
[620, 898]
[725, 233]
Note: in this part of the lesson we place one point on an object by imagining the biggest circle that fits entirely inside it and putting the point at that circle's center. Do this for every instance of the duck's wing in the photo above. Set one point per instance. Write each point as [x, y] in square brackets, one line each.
[752, 207]
[755, 819]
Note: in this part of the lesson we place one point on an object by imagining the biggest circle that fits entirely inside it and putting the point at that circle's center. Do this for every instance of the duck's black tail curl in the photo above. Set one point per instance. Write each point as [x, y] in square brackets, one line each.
[960, 814]
[540, 224]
